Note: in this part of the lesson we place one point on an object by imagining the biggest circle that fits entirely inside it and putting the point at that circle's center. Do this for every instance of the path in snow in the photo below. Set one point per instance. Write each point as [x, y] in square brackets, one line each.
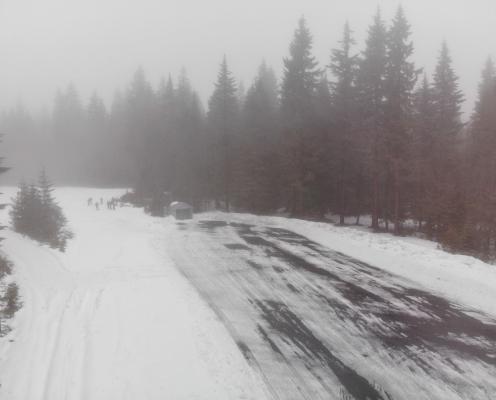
[318, 324]
[113, 319]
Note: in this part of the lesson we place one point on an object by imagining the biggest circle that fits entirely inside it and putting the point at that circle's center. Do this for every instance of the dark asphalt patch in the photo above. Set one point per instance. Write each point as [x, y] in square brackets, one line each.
[429, 321]
[286, 323]
[236, 246]
[445, 326]
[211, 225]
[351, 291]
[247, 354]
[270, 342]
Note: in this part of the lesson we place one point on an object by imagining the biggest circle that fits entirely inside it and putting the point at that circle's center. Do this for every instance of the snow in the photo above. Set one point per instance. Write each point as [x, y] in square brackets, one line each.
[112, 318]
[467, 281]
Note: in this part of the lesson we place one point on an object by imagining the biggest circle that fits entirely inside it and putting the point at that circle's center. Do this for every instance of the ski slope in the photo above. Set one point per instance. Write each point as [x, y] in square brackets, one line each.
[112, 318]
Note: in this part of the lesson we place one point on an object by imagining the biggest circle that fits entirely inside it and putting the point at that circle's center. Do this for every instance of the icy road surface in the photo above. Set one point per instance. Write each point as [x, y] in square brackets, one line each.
[317, 324]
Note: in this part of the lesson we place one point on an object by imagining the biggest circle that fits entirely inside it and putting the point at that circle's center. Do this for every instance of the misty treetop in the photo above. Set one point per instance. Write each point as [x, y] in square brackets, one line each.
[364, 132]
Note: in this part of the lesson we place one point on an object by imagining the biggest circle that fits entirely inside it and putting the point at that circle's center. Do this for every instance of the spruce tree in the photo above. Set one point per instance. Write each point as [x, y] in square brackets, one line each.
[324, 163]
[68, 125]
[344, 96]
[166, 97]
[424, 126]
[18, 209]
[445, 189]
[3, 170]
[372, 92]
[298, 93]
[189, 139]
[49, 211]
[96, 144]
[258, 172]
[36, 214]
[481, 180]
[141, 132]
[33, 214]
[223, 125]
[401, 76]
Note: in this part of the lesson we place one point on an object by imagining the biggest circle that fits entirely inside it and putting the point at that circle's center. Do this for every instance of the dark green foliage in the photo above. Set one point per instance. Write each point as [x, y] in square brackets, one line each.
[11, 300]
[36, 214]
[371, 87]
[5, 267]
[443, 185]
[346, 145]
[423, 155]
[298, 102]
[223, 126]
[258, 165]
[400, 78]
[480, 171]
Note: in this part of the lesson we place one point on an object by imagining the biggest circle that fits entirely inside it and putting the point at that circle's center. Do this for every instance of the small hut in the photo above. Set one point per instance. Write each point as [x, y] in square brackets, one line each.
[181, 210]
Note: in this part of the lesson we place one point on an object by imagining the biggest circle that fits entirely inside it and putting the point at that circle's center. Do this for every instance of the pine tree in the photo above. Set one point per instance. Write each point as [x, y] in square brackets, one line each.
[444, 190]
[96, 144]
[423, 154]
[324, 163]
[189, 140]
[33, 214]
[400, 79]
[298, 93]
[49, 211]
[344, 68]
[3, 170]
[258, 168]
[223, 125]
[166, 98]
[372, 92]
[68, 124]
[18, 209]
[142, 132]
[36, 214]
[481, 180]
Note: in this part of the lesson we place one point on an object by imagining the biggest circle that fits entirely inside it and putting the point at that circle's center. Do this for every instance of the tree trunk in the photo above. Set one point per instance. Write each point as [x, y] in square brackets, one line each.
[375, 205]
[397, 221]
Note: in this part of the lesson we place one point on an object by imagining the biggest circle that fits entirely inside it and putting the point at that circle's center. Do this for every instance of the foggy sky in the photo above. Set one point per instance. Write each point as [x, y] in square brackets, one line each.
[98, 44]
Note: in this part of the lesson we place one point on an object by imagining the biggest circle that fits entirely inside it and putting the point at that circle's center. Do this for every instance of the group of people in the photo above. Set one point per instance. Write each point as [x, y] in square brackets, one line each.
[98, 203]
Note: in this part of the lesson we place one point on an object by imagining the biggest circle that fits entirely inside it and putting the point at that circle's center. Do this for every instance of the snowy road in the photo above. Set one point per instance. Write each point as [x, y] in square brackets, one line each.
[317, 324]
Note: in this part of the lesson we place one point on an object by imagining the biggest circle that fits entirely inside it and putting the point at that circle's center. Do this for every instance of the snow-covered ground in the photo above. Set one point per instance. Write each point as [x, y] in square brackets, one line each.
[115, 318]
[112, 318]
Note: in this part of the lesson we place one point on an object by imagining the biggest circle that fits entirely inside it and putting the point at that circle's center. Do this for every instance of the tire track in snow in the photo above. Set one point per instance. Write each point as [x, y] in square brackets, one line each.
[54, 351]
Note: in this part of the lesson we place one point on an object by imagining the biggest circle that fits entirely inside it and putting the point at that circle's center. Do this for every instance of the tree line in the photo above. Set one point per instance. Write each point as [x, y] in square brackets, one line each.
[367, 133]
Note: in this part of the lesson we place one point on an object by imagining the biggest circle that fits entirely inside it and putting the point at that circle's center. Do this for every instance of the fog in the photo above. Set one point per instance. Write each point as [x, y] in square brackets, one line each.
[258, 200]
[98, 44]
